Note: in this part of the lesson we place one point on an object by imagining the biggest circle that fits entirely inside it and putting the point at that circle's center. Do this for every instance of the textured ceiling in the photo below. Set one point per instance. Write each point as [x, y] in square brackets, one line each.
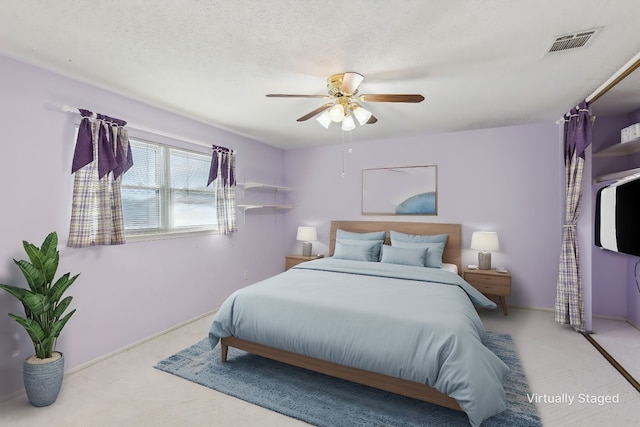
[478, 63]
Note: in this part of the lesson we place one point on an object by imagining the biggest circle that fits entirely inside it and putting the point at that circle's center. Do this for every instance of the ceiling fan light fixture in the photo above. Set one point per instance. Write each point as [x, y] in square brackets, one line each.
[361, 114]
[324, 119]
[337, 113]
[344, 102]
[348, 123]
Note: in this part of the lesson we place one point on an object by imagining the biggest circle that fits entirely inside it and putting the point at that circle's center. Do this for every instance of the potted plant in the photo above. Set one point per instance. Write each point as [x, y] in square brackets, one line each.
[44, 308]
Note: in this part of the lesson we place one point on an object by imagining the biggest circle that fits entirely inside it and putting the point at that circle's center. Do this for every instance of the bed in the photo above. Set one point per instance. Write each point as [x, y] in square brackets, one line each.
[394, 325]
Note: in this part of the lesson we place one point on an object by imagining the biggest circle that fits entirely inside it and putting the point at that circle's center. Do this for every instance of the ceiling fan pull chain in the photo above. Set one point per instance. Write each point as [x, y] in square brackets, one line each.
[343, 157]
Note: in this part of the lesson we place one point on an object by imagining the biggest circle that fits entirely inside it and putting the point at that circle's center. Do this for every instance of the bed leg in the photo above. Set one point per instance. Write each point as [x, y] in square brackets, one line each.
[224, 349]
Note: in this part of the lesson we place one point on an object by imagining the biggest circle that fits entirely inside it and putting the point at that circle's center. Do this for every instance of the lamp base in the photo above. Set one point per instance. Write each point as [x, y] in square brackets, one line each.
[484, 260]
[306, 249]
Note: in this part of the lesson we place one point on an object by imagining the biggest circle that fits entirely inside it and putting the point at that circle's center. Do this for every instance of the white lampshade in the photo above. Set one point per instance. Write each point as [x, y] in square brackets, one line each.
[362, 115]
[307, 234]
[485, 241]
[337, 113]
[348, 123]
[324, 119]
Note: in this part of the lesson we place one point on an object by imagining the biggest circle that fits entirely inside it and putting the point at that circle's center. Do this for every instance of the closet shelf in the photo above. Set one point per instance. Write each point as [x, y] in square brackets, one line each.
[622, 149]
[615, 175]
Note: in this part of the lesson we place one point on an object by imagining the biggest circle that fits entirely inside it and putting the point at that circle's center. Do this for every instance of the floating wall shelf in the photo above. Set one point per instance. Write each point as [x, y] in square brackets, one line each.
[258, 185]
[247, 207]
[249, 185]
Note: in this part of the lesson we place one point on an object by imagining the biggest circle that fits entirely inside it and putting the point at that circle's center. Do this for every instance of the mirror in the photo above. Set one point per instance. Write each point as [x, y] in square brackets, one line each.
[619, 338]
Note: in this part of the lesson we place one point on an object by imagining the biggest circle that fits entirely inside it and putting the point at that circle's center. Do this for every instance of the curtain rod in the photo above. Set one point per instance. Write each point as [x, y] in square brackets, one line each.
[74, 110]
[618, 76]
[562, 120]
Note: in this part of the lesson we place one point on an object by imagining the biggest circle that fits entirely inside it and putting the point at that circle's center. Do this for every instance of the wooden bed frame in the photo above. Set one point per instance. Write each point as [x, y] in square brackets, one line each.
[452, 255]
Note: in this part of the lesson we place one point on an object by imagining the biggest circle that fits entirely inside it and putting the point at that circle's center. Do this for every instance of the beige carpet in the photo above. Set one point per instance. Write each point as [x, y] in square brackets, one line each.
[125, 389]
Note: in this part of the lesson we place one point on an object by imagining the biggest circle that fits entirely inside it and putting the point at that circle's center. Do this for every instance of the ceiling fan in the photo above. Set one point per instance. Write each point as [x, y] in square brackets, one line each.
[345, 102]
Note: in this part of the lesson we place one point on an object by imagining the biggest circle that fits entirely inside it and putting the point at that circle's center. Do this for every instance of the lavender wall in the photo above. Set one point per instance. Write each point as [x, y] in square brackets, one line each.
[507, 180]
[125, 293]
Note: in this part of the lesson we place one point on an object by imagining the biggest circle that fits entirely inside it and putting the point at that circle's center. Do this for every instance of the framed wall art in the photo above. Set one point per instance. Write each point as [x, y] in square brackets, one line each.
[405, 190]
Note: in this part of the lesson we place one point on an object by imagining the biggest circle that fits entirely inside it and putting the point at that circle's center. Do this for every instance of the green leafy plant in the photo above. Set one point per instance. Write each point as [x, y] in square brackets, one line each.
[42, 302]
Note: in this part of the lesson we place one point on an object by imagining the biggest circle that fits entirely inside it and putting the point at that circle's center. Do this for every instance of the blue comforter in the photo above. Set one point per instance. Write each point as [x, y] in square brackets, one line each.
[414, 323]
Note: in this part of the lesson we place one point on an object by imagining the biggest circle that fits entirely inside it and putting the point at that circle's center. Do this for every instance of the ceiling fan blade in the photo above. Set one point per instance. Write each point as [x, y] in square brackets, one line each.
[372, 120]
[414, 98]
[315, 112]
[350, 83]
[284, 95]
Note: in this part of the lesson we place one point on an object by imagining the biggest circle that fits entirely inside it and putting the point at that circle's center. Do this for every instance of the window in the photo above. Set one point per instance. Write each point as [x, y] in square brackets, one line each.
[165, 191]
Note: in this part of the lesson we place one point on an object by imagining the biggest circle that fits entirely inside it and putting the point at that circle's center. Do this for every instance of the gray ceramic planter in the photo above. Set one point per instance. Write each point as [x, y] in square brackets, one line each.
[42, 382]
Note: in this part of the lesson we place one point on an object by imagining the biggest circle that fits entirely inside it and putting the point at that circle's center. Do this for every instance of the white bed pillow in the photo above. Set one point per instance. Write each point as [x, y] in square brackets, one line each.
[450, 267]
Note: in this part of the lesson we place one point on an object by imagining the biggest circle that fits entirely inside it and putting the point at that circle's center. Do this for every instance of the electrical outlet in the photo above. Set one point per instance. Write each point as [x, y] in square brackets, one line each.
[246, 274]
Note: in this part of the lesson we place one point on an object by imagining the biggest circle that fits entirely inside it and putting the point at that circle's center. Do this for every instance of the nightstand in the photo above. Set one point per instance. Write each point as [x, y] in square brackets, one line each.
[490, 282]
[292, 260]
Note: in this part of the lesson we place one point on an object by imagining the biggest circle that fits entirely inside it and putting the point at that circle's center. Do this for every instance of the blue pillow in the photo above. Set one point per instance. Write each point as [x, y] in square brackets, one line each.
[366, 251]
[434, 252]
[396, 236]
[404, 256]
[374, 235]
[434, 243]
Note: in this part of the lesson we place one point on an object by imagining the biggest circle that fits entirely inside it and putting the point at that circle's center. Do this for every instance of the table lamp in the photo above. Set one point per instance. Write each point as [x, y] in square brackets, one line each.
[484, 241]
[306, 235]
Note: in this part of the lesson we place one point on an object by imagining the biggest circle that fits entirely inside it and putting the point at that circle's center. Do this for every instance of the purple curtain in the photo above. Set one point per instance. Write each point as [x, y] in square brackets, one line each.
[102, 154]
[569, 308]
[110, 144]
[220, 160]
[222, 174]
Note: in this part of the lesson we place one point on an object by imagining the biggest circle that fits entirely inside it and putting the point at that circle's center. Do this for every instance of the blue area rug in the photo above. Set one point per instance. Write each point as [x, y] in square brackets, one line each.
[325, 401]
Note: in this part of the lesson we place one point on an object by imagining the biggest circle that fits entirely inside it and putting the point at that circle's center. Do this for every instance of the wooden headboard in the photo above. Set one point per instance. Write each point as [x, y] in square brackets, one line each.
[452, 251]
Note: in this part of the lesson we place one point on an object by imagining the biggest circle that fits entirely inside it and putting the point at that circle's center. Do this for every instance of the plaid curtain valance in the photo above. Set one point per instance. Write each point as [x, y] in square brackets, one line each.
[102, 154]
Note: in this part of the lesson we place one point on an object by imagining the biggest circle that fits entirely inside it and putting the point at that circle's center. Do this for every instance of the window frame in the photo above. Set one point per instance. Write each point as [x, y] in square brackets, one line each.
[167, 228]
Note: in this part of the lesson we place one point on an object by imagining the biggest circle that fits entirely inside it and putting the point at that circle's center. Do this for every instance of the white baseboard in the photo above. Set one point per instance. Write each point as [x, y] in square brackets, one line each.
[617, 318]
[10, 396]
[598, 316]
[523, 307]
[136, 343]
[632, 324]
[113, 353]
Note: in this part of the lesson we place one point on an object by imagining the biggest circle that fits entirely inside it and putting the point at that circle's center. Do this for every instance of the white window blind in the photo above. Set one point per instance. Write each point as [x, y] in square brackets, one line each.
[165, 191]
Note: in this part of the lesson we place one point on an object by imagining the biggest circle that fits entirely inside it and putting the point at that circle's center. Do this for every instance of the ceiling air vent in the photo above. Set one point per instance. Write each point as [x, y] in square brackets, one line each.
[572, 41]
